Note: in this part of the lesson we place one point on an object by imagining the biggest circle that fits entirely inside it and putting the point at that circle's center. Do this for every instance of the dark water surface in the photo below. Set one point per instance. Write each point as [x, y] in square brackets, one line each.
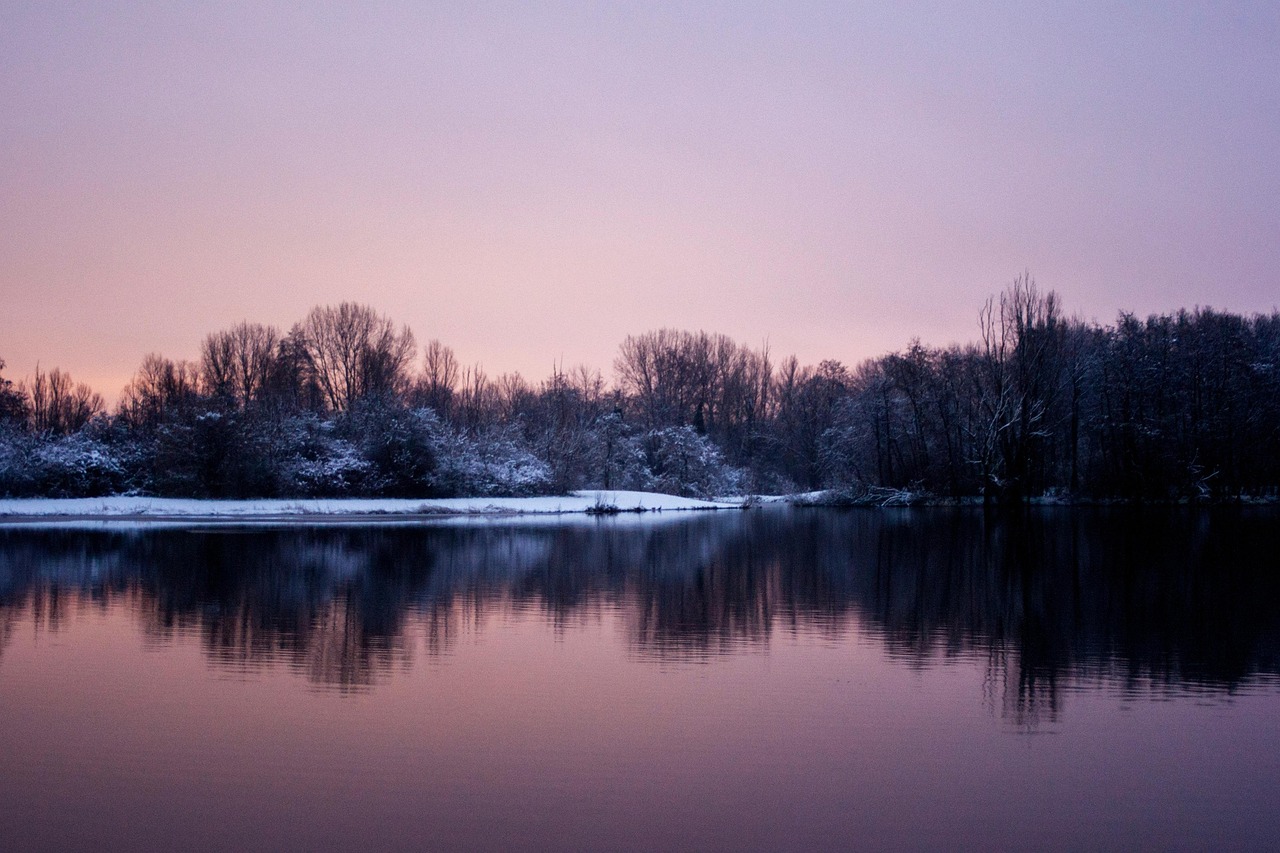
[775, 679]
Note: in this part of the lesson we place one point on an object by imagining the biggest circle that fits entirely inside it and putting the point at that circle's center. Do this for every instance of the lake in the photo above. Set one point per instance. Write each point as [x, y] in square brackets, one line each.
[774, 679]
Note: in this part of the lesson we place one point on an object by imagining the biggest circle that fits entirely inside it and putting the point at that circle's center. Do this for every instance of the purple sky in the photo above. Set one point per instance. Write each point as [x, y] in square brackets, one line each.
[531, 184]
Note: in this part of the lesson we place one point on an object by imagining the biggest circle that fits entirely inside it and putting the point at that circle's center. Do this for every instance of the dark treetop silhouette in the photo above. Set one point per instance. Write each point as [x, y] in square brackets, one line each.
[1180, 406]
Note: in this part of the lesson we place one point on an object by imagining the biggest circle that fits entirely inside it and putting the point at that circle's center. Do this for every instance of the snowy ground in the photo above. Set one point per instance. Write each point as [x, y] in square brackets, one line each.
[13, 510]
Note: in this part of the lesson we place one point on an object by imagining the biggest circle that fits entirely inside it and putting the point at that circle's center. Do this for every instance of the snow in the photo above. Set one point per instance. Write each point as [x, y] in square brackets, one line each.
[171, 509]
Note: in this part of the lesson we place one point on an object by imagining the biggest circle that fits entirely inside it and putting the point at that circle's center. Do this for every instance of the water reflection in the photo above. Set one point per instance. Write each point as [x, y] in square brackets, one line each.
[1154, 600]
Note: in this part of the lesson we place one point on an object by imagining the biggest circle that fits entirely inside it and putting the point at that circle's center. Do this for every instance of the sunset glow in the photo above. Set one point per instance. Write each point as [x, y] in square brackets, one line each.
[532, 185]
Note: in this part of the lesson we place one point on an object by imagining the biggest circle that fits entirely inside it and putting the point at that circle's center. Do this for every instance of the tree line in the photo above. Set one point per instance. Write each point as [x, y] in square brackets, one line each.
[1176, 406]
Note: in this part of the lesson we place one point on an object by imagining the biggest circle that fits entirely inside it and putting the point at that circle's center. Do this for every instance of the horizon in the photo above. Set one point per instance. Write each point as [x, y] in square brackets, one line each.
[111, 395]
[530, 186]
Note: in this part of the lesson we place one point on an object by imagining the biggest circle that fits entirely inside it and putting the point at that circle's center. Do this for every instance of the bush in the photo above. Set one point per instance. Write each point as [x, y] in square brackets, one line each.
[77, 465]
[682, 462]
[400, 445]
[493, 462]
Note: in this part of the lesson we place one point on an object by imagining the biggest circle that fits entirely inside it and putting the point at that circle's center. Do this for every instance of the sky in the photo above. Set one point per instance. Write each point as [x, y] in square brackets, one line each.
[531, 182]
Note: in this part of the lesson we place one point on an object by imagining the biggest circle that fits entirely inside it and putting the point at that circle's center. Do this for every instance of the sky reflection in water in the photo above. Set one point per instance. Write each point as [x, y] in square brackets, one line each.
[771, 679]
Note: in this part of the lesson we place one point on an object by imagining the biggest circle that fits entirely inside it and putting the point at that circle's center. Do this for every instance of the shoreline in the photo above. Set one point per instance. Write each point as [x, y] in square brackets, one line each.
[903, 500]
[152, 510]
[577, 506]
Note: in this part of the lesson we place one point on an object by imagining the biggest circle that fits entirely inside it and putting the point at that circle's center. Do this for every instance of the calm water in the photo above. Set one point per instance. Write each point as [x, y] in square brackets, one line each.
[775, 679]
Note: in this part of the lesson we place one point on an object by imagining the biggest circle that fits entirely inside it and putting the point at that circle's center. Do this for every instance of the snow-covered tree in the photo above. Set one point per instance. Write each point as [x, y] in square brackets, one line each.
[682, 462]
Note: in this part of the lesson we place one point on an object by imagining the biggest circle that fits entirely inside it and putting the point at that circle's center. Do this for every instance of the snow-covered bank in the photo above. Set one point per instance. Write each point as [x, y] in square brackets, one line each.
[177, 509]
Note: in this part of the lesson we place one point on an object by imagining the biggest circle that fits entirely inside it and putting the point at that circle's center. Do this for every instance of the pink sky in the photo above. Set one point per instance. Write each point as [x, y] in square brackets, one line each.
[531, 185]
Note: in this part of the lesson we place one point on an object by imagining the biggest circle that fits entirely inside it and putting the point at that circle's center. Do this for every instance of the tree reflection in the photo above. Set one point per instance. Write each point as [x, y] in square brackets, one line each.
[1146, 599]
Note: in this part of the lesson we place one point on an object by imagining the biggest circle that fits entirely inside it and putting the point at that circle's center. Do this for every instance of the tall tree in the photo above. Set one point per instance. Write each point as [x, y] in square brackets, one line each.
[13, 402]
[1022, 343]
[160, 387]
[353, 351]
[238, 362]
[58, 405]
[439, 381]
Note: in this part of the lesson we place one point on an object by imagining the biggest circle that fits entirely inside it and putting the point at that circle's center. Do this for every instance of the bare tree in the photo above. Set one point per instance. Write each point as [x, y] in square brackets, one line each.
[643, 374]
[58, 405]
[697, 379]
[159, 386]
[354, 351]
[808, 399]
[514, 396]
[439, 380]
[13, 401]
[238, 362]
[477, 399]
[1022, 343]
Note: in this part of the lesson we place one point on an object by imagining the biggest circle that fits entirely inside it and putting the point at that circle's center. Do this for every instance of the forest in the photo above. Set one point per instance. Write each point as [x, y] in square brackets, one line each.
[1174, 407]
